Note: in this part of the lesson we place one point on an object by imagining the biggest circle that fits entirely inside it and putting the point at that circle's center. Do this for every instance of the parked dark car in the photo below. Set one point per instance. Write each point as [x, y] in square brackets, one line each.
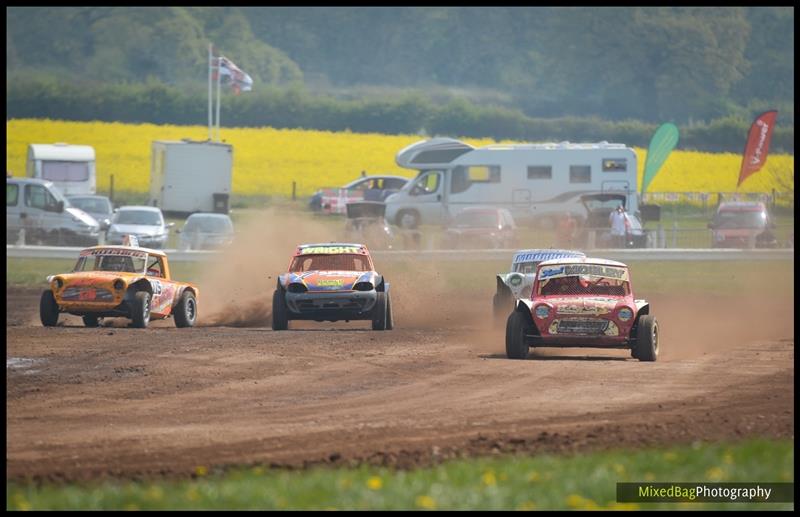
[366, 188]
[481, 227]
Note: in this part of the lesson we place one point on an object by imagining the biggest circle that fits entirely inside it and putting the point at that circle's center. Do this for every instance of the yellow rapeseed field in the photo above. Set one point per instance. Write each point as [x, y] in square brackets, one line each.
[267, 160]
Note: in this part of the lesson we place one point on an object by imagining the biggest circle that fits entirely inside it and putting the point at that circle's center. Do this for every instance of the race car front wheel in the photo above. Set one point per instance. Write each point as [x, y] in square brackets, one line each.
[186, 310]
[647, 339]
[381, 312]
[516, 328]
[141, 309]
[48, 309]
[280, 316]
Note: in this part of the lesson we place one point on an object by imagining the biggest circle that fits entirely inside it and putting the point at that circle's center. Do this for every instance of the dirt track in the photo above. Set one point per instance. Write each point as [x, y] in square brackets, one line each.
[84, 403]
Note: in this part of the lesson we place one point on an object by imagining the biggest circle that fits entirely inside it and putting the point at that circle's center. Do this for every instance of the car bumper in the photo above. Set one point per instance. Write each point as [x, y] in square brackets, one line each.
[347, 305]
[579, 341]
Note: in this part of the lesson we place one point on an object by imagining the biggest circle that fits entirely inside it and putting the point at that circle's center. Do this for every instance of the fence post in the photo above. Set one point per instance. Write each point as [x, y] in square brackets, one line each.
[674, 233]
[662, 237]
[21, 238]
[294, 190]
[111, 191]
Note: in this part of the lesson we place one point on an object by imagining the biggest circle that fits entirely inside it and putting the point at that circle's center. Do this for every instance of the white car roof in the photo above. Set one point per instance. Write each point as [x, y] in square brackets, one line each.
[584, 260]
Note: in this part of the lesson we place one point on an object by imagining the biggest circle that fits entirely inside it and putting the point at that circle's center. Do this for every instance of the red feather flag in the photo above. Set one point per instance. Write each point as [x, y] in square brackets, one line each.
[755, 152]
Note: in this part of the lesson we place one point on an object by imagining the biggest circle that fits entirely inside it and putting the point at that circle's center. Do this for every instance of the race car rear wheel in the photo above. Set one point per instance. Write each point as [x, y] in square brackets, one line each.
[140, 309]
[380, 312]
[48, 309]
[647, 339]
[91, 321]
[516, 328]
[280, 312]
[186, 310]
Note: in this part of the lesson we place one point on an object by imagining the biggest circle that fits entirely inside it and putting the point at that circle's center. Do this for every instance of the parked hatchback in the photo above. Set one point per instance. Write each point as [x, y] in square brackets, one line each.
[145, 222]
[99, 207]
[481, 227]
[205, 231]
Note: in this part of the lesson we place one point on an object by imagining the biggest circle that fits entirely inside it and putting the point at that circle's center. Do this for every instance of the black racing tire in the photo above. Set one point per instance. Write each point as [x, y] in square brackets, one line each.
[380, 312]
[186, 310]
[389, 315]
[516, 328]
[140, 309]
[280, 312]
[48, 309]
[91, 321]
[647, 338]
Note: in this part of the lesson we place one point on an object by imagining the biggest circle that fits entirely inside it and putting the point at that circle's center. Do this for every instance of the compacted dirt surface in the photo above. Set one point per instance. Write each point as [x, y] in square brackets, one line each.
[114, 401]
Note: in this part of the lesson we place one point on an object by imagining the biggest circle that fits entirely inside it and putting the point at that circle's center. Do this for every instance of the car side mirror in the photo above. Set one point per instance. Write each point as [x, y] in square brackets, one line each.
[60, 207]
[104, 225]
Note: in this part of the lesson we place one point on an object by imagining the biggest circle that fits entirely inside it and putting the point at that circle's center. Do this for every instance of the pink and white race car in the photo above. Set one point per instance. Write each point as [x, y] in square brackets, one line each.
[582, 302]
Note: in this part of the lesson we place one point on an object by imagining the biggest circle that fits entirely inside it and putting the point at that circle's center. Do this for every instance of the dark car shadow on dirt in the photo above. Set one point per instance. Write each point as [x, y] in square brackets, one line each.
[533, 356]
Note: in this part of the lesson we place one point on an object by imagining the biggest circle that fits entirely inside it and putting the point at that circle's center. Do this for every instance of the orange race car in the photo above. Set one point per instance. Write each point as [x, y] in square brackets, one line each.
[119, 281]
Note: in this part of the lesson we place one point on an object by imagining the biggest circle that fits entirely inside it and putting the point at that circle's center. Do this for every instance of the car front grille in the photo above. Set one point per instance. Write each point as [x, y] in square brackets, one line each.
[586, 327]
[87, 294]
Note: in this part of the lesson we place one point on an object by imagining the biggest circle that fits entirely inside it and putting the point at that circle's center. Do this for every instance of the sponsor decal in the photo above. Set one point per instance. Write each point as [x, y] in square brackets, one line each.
[329, 250]
[330, 282]
[594, 310]
[114, 252]
[541, 256]
[618, 273]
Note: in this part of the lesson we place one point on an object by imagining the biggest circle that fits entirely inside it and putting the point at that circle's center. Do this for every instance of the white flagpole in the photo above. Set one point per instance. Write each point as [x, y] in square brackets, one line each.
[210, 93]
[219, 82]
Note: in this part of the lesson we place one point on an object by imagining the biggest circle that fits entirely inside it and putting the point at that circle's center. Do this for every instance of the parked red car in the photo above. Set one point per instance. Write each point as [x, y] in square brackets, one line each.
[742, 224]
[582, 302]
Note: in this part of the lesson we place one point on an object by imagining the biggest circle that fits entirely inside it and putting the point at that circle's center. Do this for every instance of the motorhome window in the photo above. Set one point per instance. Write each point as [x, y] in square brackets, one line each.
[427, 184]
[12, 194]
[540, 172]
[439, 155]
[464, 176]
[37, 196]
[615, 165]
[580, 174]
[65, 171]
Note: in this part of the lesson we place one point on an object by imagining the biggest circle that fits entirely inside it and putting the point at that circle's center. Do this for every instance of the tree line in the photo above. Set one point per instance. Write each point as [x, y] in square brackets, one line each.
[157, 103]
[655, 64]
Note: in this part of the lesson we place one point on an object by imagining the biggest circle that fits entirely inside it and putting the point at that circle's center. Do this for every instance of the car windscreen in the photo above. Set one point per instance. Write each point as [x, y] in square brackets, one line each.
[526, 268]
[114, 263]
[144, 217]
[338, 262]
[209, 225]
[730, 219]
[477, 220]
[583, 280]
[91, 205]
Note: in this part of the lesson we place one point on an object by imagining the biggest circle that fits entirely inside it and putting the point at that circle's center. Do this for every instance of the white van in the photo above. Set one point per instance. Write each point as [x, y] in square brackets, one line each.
[536, 182]
[71, 168]
[47, 217]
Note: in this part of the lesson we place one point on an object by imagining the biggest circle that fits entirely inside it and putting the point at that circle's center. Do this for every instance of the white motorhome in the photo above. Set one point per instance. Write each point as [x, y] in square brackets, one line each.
[536, 182]
[190, 176]
[71, 168]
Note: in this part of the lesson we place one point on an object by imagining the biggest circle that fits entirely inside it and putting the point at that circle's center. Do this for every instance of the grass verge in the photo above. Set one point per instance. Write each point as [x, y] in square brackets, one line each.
[509, 482]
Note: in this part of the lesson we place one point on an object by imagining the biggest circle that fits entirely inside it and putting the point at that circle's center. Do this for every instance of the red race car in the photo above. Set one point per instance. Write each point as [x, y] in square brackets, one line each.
[582, 302]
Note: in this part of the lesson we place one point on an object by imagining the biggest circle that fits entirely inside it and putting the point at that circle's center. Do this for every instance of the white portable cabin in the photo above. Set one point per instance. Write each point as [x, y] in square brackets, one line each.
[190, 176]
[533, 181]
[71, 168]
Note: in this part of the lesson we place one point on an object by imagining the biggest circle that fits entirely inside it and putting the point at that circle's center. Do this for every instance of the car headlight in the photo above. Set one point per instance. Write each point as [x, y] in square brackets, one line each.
[542, 312]
[363, 286]
[119, 284]
[297, 287]
[514, 280]
[58, 282]
[625, 314]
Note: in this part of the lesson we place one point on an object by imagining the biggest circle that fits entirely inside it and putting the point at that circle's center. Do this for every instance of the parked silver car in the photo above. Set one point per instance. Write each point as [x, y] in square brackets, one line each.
[145, 222]
[205, 231]
[99, 207]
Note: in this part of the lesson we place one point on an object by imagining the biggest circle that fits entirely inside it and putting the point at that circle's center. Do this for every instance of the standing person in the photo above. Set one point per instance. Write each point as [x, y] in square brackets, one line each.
[565, 235]
[620, 226]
